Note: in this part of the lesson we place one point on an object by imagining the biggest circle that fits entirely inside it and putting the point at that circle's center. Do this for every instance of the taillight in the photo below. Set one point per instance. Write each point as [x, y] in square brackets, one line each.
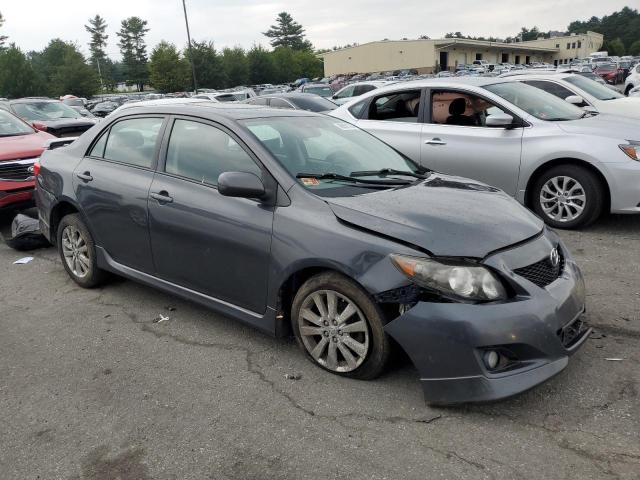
[36, 169]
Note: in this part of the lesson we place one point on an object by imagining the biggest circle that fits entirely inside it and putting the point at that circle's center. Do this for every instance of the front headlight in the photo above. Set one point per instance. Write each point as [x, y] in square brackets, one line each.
[632, 150]
[475, 283]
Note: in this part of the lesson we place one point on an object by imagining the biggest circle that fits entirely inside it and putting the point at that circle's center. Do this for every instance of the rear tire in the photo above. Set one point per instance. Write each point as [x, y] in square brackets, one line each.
[78, 253]
[568, 196]
[628, 90]
[339, 327]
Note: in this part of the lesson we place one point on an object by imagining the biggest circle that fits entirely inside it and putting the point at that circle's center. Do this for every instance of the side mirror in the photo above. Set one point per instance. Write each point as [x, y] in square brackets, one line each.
[499, 120]
[575, 99]
[39, 126]
[240, 184]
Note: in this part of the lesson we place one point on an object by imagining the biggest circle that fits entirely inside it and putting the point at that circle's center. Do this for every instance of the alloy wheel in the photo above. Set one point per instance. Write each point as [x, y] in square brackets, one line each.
[75, 251]
[334, 331]
[562, 198]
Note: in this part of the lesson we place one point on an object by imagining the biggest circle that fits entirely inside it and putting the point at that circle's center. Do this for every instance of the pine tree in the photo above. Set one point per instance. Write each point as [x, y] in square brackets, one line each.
[97, 27]
[134, 50]
[168, 70]
[287, 33]
[3, 38]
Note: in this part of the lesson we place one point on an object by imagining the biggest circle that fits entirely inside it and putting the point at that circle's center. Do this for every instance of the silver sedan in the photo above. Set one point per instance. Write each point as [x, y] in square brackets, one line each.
[567, 165]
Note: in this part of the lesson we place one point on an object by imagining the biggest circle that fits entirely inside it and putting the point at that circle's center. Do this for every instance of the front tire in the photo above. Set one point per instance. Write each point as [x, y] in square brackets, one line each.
[568, 196]
[78, 253]
[339, 327]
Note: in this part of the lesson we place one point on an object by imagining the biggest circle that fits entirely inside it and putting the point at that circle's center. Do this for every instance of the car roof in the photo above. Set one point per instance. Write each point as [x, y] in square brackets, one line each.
[34, 99]
[538, 76]
[233, 111]
[288, 95]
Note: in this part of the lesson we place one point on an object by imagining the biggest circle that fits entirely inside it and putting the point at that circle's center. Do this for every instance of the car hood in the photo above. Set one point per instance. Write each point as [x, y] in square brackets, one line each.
[624, 107]
[444, 215]
[603, 125]
[23, 146]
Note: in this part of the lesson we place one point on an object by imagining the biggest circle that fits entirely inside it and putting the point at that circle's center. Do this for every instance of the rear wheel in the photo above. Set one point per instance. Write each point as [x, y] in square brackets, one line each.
[568, 196]
[339, 327]
[78, 253]
[628, 89]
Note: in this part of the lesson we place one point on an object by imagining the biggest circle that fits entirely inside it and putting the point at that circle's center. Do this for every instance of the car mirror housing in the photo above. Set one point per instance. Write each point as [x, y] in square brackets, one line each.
[39, 126]
[499, 120]
[241, 184]
[575, 99]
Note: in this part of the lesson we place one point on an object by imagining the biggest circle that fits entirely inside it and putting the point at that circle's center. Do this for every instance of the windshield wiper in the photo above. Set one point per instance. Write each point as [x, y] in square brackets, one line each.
[345, 178]
[392, 171]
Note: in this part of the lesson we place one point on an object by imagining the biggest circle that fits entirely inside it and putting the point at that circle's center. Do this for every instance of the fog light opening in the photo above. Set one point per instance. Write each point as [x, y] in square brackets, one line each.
[491, 359]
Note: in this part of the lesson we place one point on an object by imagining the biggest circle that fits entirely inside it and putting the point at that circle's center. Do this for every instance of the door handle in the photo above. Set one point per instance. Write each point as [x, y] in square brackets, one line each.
[435, 141]
[162, 197]
[85, 177]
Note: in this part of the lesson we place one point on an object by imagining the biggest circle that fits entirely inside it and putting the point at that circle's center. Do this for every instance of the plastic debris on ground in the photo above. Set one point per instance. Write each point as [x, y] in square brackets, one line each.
[161, 318]
[26, 234]
[23, 260]
[292, 376]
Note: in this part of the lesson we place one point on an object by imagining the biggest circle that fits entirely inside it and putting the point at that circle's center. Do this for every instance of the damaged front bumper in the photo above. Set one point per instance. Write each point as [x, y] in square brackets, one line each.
[535, 333]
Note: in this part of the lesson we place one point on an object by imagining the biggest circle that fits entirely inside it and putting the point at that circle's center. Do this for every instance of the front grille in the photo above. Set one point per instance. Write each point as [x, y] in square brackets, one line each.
[542, 273]
[16, 171]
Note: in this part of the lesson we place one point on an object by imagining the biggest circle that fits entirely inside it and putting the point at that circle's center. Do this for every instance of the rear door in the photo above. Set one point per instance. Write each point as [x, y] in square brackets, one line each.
[216, 245]
[394, 117]
[456, 140]
[112, 185]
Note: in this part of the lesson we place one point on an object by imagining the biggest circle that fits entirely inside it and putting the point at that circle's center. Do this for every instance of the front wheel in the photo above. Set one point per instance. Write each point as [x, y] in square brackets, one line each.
[339, 327]
[568, 196]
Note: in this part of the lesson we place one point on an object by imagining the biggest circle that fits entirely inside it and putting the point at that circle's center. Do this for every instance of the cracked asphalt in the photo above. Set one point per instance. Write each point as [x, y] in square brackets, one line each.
[92, 387]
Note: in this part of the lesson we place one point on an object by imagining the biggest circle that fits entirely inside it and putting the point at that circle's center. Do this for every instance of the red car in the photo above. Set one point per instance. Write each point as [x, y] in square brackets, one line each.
[20, 146]
[610, 73]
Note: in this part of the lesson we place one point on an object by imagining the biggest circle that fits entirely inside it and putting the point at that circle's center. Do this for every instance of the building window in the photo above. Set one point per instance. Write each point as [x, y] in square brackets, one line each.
[478, 56]
[573, 45]
[579, 44]
[557, 45]
[568, 46]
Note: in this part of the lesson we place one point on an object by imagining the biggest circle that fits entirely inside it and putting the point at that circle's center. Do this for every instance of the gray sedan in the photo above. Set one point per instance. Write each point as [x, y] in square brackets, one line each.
[566, 164]
[295, 222]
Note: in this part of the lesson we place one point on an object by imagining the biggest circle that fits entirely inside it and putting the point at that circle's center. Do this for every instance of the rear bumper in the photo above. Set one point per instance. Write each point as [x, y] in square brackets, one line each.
[446, 341]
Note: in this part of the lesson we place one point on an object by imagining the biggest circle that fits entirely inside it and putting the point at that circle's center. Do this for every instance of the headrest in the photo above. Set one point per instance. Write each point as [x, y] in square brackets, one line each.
[458, 106]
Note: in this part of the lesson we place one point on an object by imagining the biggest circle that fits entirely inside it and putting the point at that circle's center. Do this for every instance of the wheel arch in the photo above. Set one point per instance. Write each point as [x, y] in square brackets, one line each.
[539, 171]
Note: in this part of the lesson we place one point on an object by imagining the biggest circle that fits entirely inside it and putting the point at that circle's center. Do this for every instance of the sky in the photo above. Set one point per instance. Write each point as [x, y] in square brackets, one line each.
[32, 23]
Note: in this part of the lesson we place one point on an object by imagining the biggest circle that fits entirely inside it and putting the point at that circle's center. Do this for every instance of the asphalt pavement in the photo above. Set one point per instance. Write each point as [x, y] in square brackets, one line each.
[94, 387]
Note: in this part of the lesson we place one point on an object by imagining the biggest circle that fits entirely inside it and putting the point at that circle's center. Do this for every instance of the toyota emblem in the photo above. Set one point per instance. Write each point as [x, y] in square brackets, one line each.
[554, 257]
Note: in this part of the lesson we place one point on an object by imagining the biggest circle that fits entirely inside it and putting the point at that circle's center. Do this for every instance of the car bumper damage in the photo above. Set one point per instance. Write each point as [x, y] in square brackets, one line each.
[484, 352]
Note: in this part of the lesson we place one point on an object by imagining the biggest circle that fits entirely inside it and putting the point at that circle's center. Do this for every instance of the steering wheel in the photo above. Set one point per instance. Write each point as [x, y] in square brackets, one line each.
[343, 162]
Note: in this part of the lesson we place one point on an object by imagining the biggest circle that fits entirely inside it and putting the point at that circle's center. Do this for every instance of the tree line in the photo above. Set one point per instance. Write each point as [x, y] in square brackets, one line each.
[61, 68]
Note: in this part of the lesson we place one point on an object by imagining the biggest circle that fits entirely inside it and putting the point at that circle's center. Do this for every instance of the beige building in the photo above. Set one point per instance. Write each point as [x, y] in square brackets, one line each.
[428, 56]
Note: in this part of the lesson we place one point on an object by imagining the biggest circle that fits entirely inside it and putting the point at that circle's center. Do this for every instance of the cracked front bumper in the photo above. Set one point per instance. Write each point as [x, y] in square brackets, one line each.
[446, 341]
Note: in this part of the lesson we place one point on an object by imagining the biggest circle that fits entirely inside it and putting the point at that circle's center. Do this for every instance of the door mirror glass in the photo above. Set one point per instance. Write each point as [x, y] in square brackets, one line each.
[240, 184]
[575, 99]
[499, 120]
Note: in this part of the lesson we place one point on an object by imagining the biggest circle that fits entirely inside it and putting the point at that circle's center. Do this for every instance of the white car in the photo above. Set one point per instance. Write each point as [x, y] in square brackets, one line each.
[635, 92]
[566, 164]
[584, 92]
[633, 79]
[349, 92]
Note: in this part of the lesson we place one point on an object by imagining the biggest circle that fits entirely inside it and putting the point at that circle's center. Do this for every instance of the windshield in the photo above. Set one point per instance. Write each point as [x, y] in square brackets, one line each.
[73, 102]
[593, 88]
[10, 125]
[322, 91]
[606, 68]
[313, 104]
[322, 145]
[536, 102]
[34, 111]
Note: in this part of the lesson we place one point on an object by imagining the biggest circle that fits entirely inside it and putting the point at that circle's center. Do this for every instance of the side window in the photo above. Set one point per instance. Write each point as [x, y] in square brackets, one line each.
[463, 109]
[280, 103]
[202, 152]
[259, 101]
[347, 92]
[551, 87]
[133, 141]
[396, 107]
[98, 147]
[362, 89]
[356, 110]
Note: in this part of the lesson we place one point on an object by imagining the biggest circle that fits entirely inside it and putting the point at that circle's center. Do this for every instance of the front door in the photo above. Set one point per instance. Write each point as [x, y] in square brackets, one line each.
[112, 185]
[456, 141]
[216, 245]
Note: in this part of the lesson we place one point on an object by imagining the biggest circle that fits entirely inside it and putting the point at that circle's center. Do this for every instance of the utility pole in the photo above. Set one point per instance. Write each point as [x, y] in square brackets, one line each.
[193, 67]
[100, 75]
